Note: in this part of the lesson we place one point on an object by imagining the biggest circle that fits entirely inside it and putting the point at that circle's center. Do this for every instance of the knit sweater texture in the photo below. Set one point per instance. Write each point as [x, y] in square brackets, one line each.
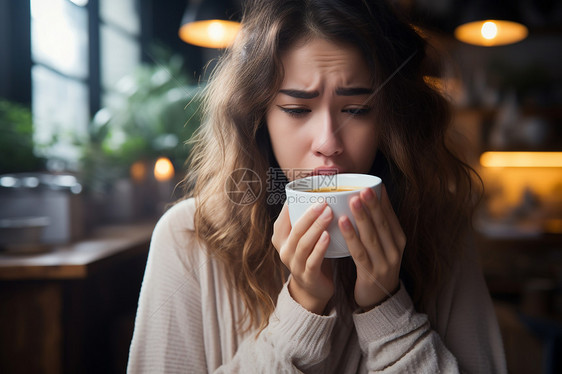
[188, 321]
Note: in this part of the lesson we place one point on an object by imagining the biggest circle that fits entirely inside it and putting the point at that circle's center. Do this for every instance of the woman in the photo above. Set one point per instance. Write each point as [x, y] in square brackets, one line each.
[318, 86]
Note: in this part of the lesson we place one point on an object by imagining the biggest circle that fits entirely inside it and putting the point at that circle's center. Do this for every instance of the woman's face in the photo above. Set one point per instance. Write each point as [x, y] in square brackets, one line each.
[321, 121]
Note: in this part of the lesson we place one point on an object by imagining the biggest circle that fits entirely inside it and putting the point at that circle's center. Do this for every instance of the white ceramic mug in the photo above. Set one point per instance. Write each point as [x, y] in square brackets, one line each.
[302, 193]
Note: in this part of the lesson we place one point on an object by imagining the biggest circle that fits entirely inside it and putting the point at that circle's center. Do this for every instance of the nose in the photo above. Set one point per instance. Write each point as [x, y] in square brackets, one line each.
[327, 138]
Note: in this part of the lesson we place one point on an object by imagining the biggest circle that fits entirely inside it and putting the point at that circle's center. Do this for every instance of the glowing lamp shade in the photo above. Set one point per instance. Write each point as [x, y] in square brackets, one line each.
[522, 159]
[163, 169]
[211, 33]
[210, 23]
[490, 23]
[489, 33]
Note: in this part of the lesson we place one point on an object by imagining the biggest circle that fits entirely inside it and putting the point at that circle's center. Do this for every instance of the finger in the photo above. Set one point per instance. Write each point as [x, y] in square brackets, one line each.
[311, 235]
[308, 241]
[291, 239]
[307, 219]
[384, 232]
[394, 223]
[356, 248]
[367, 232]
[291, 245]
[316, 258]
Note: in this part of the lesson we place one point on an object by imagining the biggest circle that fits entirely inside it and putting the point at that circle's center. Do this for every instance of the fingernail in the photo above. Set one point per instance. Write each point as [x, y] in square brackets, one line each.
[356, 203]
[325, 212]
[318, 207]
[368, 194]
[345, 223]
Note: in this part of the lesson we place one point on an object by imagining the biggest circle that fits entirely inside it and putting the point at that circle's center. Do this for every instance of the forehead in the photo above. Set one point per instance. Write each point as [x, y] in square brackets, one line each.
[309, 59]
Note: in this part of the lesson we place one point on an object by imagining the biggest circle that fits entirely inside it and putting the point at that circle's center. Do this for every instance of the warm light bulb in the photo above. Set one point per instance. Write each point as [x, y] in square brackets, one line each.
[163, 169]
[138, 171]
[489, 30]
[216, 31]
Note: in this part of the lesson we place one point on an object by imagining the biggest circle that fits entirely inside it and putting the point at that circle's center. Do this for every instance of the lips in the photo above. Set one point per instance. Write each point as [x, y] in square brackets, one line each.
[326, 170]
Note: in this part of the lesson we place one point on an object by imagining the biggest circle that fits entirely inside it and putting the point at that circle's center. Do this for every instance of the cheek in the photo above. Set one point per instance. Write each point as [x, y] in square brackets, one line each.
[363, 147]
[288, 147]
[287, 142]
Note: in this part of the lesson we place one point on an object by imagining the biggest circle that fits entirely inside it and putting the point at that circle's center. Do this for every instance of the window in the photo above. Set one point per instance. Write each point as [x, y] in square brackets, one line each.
[65, 66]
[59, 77]
[120, 49]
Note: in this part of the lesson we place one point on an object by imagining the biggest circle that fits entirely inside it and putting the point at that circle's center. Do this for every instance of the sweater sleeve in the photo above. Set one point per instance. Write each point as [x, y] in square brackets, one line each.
[180, 326]
[293, 341]
[396, 339]
[466, 339]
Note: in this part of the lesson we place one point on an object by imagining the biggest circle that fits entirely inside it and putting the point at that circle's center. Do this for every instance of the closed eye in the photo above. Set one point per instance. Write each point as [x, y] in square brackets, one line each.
[295, 112]
[357, 111]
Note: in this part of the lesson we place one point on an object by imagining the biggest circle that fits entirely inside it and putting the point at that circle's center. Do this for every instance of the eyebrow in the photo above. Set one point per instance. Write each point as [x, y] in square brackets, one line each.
[340, 91]
[298, 94]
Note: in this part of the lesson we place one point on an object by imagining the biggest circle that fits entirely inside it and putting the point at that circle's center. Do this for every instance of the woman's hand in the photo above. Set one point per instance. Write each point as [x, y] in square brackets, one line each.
[377, 251]
[302, 248]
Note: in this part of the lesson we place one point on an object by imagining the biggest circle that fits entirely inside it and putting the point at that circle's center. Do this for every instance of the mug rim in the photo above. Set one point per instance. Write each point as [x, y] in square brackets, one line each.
[374, 181]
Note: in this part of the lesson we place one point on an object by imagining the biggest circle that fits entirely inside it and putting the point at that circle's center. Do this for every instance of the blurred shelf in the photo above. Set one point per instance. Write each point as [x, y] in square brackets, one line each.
[548, 112]
[514, 238]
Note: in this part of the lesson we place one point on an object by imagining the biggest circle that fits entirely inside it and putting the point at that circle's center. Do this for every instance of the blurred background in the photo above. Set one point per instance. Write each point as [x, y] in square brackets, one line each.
[98, 99]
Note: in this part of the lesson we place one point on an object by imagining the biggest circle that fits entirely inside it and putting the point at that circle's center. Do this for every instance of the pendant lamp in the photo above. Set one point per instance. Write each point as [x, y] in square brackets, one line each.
[491, 23]
[210, 23]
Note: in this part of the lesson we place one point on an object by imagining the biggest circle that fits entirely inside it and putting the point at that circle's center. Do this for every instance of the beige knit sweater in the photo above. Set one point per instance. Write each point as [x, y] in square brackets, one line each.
[187, 322]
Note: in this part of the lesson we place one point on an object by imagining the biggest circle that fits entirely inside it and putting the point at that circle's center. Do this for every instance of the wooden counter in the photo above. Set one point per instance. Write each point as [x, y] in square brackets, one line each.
[79, 260]
[71, 309]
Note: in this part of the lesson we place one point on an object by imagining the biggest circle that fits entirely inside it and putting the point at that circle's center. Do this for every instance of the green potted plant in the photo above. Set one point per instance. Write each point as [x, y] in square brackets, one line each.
[152, 113]
[16, 140]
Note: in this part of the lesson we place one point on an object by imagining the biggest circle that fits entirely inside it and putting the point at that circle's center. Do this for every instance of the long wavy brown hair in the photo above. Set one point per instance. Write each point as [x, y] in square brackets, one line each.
[431, 190]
